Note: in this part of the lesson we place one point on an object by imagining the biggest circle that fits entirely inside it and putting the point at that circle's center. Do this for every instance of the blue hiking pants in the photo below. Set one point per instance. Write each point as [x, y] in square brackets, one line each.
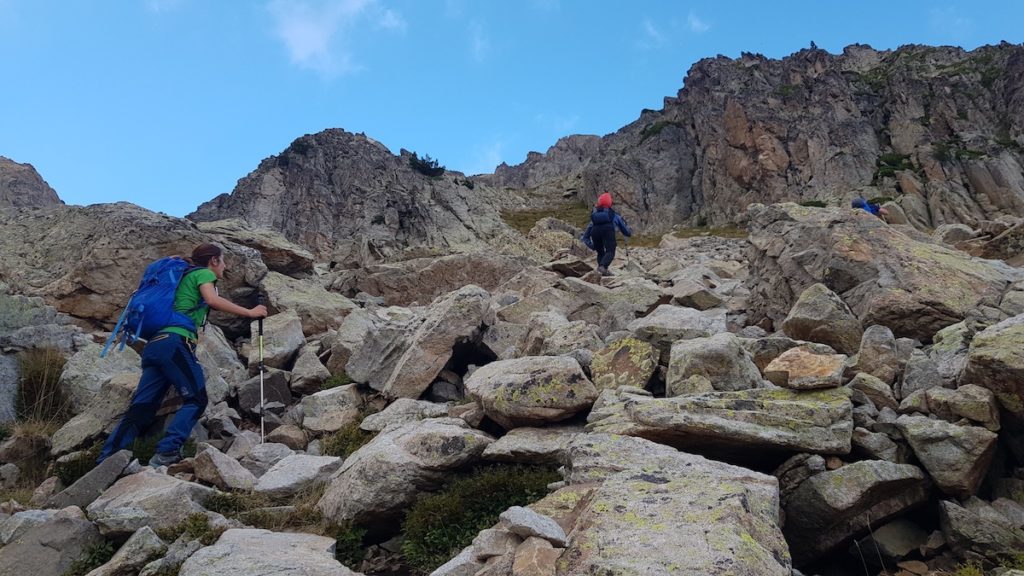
[167, 360]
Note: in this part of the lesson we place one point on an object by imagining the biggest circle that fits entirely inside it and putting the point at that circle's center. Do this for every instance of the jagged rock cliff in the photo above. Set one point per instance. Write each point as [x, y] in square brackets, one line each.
[21, 185]
[335, 190]
[939, 129]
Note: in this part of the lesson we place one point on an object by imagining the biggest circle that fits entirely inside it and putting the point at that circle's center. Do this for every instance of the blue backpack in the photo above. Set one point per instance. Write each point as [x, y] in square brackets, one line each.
[151, 307]
[602, 216]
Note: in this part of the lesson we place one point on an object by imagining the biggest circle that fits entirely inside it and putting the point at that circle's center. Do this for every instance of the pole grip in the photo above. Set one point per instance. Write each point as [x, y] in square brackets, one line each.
[260, 301]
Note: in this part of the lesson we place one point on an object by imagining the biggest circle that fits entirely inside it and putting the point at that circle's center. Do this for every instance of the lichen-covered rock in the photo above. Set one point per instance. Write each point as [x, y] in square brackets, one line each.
[831, 508]
[996, 361]
[532, 390]
[956, 457]
[625, 362]
[719, 358]
[659, 511]
[819, 315]
[732, 425]
[885, 276]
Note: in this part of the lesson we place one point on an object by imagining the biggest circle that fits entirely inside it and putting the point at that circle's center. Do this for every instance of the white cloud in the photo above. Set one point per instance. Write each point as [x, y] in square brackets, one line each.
[479, 43]
[315, 32]
[695, 24]
[651, 36]
[949, 22]
[391, 20]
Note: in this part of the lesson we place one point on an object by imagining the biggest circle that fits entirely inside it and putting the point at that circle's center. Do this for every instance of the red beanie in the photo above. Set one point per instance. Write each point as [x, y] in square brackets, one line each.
[604, 200]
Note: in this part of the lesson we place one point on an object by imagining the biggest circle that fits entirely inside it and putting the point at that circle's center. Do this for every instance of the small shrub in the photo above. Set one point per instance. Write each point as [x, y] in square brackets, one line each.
[194, 527]
[70, 471]
[427, 166]
[969, 569]
[786, 90]
[40, 396]
[345, 441]
[813, 203]
[349, 547]
[335, 381]
[654, 129]
[94, 556]
[144, 447]
[879, 200]
[467, 183]
[440, 525]
[940, 152]
[524, 220]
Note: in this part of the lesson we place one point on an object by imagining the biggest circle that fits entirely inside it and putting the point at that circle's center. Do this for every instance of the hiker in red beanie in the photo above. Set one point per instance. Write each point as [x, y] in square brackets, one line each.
[600, 234]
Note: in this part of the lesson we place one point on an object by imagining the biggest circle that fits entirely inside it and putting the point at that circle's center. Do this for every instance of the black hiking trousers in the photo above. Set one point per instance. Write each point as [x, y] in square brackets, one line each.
[603, 236]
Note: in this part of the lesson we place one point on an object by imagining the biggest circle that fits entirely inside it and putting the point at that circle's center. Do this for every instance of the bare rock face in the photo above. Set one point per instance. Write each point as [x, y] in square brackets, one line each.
[86, 261]
[886, 277]
[21, 185]
[334, 189]
[812, 125]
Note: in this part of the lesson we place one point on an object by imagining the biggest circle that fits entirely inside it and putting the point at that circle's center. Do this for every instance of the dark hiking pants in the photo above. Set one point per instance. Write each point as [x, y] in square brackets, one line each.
[604, 242]
[167, 360]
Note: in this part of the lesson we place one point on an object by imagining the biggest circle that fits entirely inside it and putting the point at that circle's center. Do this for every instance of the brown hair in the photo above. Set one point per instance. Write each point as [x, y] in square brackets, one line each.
[203, 253]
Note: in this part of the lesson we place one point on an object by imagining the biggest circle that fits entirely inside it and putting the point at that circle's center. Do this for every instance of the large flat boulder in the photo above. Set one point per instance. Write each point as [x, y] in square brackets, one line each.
[659, 511]
[148, 498]
[252, 551]
[733, 425]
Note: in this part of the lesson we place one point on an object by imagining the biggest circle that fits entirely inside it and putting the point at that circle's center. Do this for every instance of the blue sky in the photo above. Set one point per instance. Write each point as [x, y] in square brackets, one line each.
[167, 103]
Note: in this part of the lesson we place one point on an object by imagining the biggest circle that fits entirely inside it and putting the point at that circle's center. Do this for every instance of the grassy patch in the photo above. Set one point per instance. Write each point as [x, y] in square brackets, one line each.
[814, 203]
[336, 380]
[194, 527]
[94, 556]
[441, 524]
[652, 130]
[250, 508]
[889, 164]
[40, 397]
[643, 241]
[524, 220]
[70, 471]
[345, 441]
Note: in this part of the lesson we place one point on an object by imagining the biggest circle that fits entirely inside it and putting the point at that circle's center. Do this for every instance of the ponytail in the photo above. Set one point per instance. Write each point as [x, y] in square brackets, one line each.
[203, 253]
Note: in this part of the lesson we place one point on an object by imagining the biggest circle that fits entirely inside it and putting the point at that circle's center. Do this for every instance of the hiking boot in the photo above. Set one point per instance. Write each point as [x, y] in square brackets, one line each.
[164, 459]
[605, 272]
[602, 270]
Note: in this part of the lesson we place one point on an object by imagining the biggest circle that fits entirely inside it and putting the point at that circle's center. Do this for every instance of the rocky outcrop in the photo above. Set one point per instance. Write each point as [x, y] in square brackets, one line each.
[937, 128]
[21, 185]
[87, 261]
[886, 277]
[338, 193]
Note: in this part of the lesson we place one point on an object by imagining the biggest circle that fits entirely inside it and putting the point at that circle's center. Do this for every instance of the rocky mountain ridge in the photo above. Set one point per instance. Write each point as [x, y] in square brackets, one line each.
[938, 129]
[21, 185]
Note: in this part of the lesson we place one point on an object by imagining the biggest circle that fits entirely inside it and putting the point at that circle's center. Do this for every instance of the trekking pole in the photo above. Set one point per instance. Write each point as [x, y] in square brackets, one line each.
[259, 300]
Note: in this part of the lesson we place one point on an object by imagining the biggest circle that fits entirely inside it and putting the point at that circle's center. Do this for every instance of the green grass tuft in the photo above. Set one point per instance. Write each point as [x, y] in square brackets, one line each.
[442, 524]
[94, 556]
[40, 396]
